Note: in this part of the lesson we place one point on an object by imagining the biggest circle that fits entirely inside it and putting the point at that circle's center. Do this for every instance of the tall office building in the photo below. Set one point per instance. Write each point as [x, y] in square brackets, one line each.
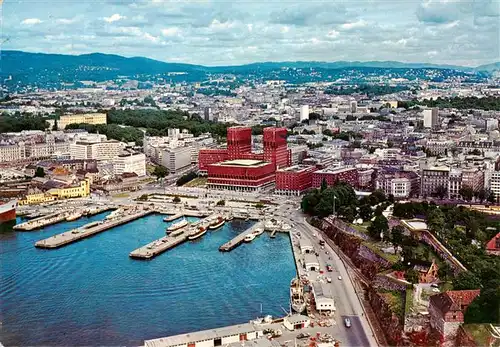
[431, 118]
[239, 141]
[275, 147]
[304, 112]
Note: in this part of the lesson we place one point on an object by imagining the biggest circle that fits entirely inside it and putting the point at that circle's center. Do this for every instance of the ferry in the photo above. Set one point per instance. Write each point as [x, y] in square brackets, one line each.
[297, 300]
[217, 223]
[8, 211]
[249, 237]
[200, 231]
[181, 224]
[73, 216]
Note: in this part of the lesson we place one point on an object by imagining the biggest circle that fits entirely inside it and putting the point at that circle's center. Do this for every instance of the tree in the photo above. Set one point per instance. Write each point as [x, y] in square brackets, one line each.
[55, 127]
[378, 226]
[435, 221]
[445, 272]
[160, 172]
[482, 194]
[411, 276]
[441, 192]
[143, 197]
[324, 184]
[40, 172]
[482, 309]
[377, 197]
[259, 205]
[397, 237]
[491, 197]
[176, 199]
[466, 280]
[365, 212]
[466, 192]
[221, 203]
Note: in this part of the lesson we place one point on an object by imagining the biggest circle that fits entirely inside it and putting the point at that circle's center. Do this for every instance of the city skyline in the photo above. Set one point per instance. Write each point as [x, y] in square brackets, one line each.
[223, 33]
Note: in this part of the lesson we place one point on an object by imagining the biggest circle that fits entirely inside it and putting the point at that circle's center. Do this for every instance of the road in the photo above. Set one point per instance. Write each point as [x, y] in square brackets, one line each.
[346, 300]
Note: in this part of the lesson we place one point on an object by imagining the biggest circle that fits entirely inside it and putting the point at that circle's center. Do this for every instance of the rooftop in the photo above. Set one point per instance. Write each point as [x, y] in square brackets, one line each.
[336, 170]
[243, 162]
[184, 339]
[297, 168]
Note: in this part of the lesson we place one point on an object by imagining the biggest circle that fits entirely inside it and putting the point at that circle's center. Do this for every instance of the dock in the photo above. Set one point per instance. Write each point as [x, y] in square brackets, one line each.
[159, 246]
[165, 243]
[236, 241]
[41, 222]
[97, 210]
[87, 230]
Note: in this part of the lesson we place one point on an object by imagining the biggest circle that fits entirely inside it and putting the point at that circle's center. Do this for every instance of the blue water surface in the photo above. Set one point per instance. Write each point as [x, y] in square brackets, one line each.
[91, 293]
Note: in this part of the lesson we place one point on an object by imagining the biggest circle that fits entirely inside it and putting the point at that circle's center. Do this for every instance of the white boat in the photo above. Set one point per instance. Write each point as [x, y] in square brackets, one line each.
[217, 223]
[249, 238]
[176, 233]
[297, 300]
[258, 232]
[178, 225]
[73, 216]
[198, 232]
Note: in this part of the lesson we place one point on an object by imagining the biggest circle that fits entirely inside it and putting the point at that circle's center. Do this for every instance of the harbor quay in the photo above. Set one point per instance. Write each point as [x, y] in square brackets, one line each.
[88, 230]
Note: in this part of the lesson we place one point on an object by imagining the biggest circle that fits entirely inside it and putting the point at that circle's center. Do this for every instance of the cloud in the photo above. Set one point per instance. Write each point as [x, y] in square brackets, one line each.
[173, 31]
[353, 25]
[114, 18]
[31, 21]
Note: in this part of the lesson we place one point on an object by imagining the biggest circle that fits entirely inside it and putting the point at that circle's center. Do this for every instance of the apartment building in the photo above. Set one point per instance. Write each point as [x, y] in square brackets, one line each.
[12, 152]
[433, 179]
[87, 118]
[106, 150]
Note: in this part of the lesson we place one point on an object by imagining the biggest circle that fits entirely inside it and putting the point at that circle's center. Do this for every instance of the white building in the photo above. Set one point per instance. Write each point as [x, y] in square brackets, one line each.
[296, 322]
[12, 152]
[210, 338]
[311, 262]
[430, 118]
[175, 159]
[323, 297]
[304, 112]
[495, 184]
[106, 150]
[305, 245]
[131, 162]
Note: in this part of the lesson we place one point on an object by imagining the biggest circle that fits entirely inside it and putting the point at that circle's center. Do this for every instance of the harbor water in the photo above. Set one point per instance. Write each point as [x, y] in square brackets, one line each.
[92, 293]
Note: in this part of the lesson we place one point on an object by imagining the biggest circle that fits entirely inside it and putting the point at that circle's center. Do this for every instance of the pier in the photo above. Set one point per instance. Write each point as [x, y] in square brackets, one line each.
[87, 230]
[165, 243]
[159, 246]
[236, 241]
[41, 222]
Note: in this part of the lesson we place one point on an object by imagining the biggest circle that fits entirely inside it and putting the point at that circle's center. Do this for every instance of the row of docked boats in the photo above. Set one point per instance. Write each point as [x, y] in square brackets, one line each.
[196, 230]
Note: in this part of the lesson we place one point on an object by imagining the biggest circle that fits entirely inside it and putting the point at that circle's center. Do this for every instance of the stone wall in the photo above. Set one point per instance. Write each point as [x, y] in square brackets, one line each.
[382, 281]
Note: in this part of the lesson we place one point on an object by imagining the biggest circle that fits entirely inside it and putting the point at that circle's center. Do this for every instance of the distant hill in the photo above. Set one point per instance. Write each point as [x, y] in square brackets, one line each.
[22, 62]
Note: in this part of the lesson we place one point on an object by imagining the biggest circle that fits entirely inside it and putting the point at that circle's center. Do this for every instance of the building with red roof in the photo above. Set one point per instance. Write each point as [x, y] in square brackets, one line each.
[447, 311]
[493, 245]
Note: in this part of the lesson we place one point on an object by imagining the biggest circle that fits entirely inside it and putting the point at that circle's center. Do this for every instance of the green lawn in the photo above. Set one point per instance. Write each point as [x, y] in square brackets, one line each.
[390, 257]
[197, 182]
[362, 228]
[395, 301]
[409, 300]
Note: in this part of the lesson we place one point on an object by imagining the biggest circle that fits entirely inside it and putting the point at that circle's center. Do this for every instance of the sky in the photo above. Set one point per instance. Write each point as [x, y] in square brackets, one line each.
[212, 32]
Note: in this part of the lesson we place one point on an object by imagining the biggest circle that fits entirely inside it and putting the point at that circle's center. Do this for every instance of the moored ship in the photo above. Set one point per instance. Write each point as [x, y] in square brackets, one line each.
[73, 216]
[8, 211]
[198, 232]
[178, 225]
[249, 237]
[297, 299]
[217, 223]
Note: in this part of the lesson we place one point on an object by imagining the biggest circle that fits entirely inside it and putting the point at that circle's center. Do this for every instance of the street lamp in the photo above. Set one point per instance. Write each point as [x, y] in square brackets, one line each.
[334, 198]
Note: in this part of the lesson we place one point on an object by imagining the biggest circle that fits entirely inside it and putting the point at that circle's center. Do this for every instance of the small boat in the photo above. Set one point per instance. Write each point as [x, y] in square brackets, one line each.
[176, 233]
[258, 232]
[200, 231]
[178, 225]
[249, 238]
[73, 216]
[217, 223]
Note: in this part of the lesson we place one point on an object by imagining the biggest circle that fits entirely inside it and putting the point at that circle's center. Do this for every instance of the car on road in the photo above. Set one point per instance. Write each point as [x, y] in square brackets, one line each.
[303, 335]
[329, 268]
[434, 285]
[347, 322]
[340, 277]
[329, 279]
